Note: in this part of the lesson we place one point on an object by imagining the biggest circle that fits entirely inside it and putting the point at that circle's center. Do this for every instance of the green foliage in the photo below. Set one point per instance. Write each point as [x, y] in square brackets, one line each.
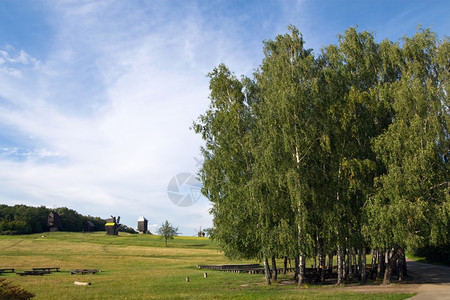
[15, 227]
[125, 228]
[210, 232]
[345, 149]
[70, 219]
[167, 231]
[410, 207]
[22, 219]
[283, 143]
[228, 162]
[12, 292]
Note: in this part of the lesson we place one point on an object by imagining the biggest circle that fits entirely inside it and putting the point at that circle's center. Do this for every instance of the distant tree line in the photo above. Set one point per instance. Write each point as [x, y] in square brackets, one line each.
[22, 219]
[331, 155]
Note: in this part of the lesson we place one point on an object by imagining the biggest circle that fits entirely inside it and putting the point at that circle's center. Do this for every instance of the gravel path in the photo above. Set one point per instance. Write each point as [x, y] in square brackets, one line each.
[435, 281]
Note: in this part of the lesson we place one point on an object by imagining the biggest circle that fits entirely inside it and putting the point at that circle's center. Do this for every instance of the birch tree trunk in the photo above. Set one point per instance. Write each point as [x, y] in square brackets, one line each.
[346, 264]
[400, 267]
[358, 272]
[363, 272]
[340, 265]
[297, 265]
[349, 264]
[274, 268]
[267, 270]
[381, 263]
[391, 265]
[321, 259]
[301, 269]
[330, 261]
[322, 265]
[374, 257]
[405, 269]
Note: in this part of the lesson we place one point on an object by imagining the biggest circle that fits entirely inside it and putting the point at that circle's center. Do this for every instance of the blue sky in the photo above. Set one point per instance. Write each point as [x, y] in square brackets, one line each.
[97, 97]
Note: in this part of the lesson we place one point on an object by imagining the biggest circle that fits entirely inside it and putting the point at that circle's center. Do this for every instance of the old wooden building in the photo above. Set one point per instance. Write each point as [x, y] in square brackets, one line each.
[54, 221]
[142, 225]
[112, 226]
[88, 226]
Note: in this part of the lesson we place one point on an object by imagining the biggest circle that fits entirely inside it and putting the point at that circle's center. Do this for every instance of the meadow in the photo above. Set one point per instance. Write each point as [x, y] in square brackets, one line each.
[141, 267]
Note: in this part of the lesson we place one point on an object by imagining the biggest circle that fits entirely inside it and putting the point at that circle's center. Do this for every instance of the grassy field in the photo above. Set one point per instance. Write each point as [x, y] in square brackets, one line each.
[140, 267]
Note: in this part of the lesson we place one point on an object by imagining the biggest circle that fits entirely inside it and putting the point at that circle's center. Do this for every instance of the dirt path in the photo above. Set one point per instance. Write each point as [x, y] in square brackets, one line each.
[430, 282]
[435, 280]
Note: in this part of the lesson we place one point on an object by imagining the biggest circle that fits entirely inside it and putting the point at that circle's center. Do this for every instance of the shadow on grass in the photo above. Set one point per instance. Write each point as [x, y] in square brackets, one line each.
[197, 245]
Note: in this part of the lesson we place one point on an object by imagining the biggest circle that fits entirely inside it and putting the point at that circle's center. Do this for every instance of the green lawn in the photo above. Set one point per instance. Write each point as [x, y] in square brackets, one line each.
[140, 267]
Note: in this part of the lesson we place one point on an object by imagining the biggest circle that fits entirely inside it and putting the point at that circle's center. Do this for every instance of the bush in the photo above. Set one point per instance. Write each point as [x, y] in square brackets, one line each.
[12, 292]
[436, 254]
[11, 232]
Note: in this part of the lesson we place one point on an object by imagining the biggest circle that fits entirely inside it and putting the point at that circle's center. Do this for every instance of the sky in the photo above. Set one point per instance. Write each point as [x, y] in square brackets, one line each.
[97, 97]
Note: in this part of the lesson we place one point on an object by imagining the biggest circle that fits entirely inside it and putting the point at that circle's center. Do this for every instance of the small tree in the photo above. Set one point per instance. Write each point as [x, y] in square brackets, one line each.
[167, 231]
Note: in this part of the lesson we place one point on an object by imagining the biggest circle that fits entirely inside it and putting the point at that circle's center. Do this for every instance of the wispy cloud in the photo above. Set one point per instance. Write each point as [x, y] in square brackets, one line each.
[11, 61]
[106, 116]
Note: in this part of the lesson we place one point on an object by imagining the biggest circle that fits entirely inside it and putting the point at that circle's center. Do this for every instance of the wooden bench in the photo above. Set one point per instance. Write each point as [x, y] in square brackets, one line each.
[54, 269]
[34, 272]
[242, 267]
[84, 271]
[6, 271]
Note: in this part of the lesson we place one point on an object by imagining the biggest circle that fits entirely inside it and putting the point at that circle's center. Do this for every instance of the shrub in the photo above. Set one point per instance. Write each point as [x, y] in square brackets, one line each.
[12, 292]
[435, 254]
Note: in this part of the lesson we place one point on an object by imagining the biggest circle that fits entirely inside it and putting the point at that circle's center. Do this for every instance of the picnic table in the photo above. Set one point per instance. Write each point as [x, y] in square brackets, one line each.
[6, 271]
[33, 272]
[84, 271]
[53, 269]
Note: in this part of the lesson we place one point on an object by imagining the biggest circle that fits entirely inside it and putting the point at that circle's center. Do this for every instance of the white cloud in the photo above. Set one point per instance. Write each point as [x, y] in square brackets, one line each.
[11, 61]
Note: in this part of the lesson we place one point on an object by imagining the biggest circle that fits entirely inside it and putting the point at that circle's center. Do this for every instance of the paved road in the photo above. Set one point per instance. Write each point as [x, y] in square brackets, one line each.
[435, 281]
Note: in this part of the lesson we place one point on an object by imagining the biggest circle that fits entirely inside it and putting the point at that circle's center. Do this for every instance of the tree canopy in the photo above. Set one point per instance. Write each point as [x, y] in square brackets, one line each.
[167, 231]
[23, 219]
[336, 152]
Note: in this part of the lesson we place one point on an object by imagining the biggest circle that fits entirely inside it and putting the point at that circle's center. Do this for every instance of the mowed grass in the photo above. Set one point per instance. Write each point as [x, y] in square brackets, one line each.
[141, 267]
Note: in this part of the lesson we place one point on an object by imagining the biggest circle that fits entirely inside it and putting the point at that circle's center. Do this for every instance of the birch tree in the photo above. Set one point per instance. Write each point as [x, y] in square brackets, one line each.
[288, 134]
[410, 208]
[330, 153]
[226, 172]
